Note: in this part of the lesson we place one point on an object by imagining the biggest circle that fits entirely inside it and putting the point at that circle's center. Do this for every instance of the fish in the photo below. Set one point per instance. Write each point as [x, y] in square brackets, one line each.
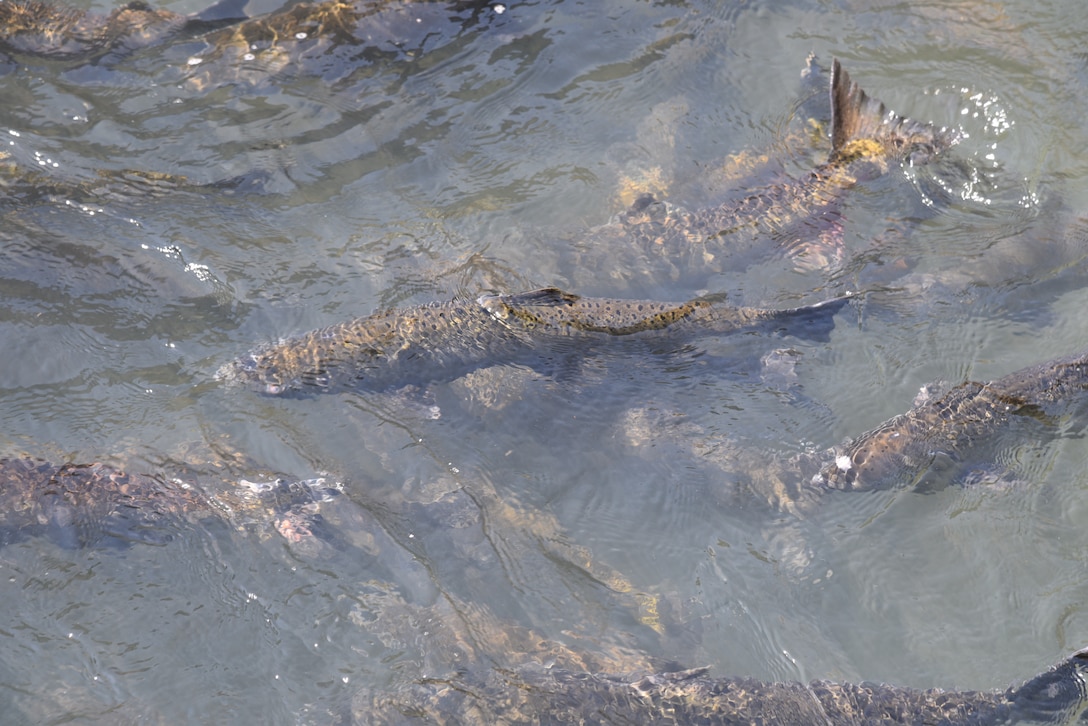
[442, 341]
[946, 438]
[235, 46]
[542, 695]
[36, 28]
[799, 217]
[92, 504]
[954, 425]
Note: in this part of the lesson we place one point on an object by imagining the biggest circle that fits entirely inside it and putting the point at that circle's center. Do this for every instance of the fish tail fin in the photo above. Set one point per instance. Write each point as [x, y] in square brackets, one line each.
[811, 322]
[863, 127]
[223, 10]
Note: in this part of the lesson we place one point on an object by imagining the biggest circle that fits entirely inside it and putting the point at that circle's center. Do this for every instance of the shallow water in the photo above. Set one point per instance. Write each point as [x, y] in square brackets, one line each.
[595, 507]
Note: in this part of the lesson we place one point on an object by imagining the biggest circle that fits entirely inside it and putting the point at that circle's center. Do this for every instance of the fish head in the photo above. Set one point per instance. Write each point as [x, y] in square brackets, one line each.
[258, 372]
[1058, 696]
[871, 462]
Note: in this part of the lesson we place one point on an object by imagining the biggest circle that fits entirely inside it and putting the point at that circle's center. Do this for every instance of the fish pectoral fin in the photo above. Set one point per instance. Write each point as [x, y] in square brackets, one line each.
[947, 468]
[564, 371]
[1020, 406]
[991, 476]
[558, 362]
[862, 127]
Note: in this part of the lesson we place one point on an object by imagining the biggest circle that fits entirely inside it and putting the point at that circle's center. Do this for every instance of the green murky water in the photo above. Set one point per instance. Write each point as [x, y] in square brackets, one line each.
[592, 507]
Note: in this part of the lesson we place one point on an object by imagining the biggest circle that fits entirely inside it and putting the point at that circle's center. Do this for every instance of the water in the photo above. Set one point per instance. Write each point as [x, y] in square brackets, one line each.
[591, 508]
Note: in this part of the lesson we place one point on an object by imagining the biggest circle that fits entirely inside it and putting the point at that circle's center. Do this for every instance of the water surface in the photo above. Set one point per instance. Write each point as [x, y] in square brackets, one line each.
[595, 508]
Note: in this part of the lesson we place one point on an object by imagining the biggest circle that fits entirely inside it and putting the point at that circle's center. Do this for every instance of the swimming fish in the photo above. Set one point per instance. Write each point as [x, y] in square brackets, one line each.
[442, 341]
[951, 425]
[799, 217]
[545, 695]
[81, 505]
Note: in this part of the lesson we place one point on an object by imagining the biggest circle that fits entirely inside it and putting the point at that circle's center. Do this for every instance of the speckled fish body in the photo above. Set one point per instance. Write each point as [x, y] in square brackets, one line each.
[58, 31]
[81, 505]
[238, 48]
[442, 341]
[554, 312]
[953, 424]
[556, 696]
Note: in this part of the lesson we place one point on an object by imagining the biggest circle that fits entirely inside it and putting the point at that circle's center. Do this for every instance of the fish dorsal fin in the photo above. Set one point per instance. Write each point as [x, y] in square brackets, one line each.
[502, 307]
[863, 127]
[712, 298]
[544, 297]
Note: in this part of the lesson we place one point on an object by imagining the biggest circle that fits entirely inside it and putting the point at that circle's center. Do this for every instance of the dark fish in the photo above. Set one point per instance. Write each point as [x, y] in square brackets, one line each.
[56, 31]
[796, 216]
[386, 27]
[442, 341]
[80, 505]
[944, 439]
[555, 696]
[951, 426]
[331, 39]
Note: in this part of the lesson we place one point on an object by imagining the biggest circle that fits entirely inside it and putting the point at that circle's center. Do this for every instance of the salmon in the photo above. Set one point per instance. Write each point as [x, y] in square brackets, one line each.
[549, 695]
[442, 341]
[798, 217]
[83, 505]
[953, 425]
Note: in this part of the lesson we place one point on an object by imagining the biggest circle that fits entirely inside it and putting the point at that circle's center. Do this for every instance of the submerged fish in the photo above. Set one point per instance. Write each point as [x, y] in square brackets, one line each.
[555, 696]
[40, 28]
[79, 505]
[796, 216]
[482, 670]
[237, 47]
[945, 439]
[442, 341]
[952, 425]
